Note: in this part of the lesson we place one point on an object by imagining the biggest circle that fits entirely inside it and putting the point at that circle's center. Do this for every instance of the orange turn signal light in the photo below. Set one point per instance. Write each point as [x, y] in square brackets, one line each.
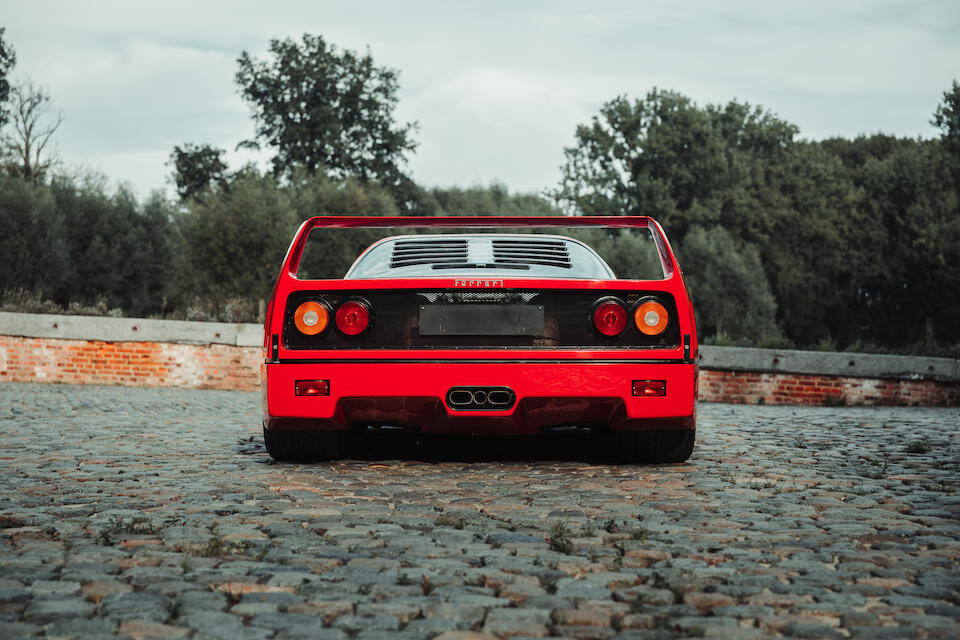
[651, 318]
[311, 318]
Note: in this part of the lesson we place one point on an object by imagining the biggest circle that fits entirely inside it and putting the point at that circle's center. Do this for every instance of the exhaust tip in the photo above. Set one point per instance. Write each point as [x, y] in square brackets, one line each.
[481, 398]
[460, 397]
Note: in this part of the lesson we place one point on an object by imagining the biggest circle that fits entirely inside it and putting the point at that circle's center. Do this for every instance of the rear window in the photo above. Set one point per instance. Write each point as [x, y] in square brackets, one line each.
[556, 253]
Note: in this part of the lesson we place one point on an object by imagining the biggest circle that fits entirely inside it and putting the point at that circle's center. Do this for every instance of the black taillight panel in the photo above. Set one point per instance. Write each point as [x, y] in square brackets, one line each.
[568, 321]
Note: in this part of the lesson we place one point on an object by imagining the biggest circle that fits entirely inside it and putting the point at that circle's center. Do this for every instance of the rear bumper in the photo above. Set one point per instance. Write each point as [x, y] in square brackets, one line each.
[413, 394]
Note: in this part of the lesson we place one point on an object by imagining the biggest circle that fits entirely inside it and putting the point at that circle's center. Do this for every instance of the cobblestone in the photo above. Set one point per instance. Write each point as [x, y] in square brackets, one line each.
[156, 513]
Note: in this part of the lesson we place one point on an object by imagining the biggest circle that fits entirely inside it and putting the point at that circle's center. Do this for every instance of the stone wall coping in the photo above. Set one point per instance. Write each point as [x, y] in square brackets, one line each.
[108, 329]
[829, 363]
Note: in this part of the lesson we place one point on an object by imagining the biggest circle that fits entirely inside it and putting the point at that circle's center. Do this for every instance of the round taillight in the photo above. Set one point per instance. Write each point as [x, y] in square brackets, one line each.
[311, 318]
[651, 318]
[610, 318]
[353, 317]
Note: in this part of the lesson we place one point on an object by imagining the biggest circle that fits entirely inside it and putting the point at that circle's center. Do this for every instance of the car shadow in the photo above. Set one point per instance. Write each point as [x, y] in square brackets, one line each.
[587, 448]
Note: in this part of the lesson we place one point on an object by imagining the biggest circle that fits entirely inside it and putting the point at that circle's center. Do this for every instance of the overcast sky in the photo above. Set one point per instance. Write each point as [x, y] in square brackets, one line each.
[497, 87]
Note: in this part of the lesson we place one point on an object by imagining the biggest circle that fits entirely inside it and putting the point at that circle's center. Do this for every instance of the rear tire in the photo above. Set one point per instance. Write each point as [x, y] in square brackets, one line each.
[653, 446]
[305, 445]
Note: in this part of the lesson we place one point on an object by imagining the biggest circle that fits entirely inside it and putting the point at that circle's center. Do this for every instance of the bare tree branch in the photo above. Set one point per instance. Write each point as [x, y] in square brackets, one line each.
[34, 123]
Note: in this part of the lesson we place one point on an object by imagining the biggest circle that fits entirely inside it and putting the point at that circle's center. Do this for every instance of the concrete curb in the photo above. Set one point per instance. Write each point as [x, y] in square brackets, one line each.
[853, 365]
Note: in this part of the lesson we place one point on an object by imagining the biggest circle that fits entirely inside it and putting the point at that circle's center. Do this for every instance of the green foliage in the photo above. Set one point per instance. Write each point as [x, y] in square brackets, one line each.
[8, 58]
[561, 538]
[326, 110]
[458, 522]
[841, 239]
[630, 253]
[492, 200]
[664, 156]
[727, 284]
[234, 240]
[117, 248]
[845, 244]
[947, 119]
[33, 244]
[196, 168]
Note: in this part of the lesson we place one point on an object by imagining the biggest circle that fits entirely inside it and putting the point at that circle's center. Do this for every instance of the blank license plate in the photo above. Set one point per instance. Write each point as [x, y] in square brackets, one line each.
[481, 320]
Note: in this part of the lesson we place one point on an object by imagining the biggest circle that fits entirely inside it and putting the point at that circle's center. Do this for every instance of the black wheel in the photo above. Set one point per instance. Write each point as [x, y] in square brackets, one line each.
[305, 445]
[653, 446]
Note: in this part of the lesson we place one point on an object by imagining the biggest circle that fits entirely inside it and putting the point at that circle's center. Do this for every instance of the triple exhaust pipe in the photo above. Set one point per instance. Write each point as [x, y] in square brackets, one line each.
[480, 398]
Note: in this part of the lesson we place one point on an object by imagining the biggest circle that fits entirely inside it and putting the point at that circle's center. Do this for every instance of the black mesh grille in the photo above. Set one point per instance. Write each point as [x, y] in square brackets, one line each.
[478, 296]
[413, 252]
[551, 253]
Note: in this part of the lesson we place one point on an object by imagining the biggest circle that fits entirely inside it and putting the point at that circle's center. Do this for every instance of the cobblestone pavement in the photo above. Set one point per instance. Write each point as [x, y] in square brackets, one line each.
[157, 514]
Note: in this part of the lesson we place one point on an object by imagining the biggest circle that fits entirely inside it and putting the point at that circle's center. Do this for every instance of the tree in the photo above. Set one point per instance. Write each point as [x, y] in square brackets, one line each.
[34, 124]
[196, 168]
[493, 200]
[666, 157]
[730, 291]
[947, 117]
[8, 58]
[234, 240]
[326, 110]
[33, 253]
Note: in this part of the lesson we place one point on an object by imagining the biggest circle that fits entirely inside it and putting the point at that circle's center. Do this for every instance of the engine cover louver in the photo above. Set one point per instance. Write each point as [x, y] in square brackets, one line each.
[480, 252]
[551, 253]
[407, 253]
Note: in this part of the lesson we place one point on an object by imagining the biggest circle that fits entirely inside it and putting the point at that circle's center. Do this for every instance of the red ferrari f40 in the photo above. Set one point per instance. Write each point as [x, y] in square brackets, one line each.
[481, 325]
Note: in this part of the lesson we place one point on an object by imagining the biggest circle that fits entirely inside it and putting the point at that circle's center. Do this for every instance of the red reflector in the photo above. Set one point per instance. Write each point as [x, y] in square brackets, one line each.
[313, 387]
[649, 387]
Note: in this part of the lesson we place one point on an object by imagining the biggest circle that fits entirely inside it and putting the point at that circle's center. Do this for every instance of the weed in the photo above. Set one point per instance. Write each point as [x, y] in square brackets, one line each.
[835, 400]
[610, 526]
[561, 538]
[639, 533]
[885, 464]
[450, 521]
[10, 522]
[588, 530]
[425, 585]
[919, 446]
[403, 579]
[138, 525]
[214, 547]
[185, 566]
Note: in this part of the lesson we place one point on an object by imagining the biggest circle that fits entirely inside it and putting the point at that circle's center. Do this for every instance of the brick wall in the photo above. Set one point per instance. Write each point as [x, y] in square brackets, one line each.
[144, 353]
[133, 364]
[747, 387]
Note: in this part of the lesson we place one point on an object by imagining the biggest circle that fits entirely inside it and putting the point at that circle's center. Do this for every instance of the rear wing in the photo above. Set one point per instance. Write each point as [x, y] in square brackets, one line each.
[291, 262]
